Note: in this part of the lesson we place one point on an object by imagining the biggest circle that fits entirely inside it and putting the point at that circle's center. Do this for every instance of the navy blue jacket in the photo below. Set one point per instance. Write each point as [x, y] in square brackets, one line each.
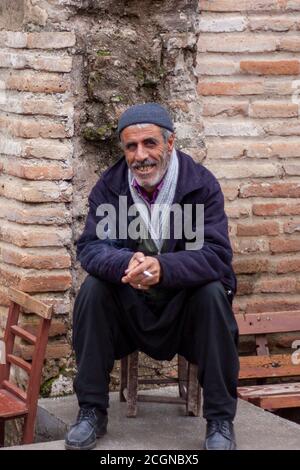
[181, 268]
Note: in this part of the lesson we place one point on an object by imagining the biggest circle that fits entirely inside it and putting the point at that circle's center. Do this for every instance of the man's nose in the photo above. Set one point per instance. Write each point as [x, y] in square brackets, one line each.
[141, 152]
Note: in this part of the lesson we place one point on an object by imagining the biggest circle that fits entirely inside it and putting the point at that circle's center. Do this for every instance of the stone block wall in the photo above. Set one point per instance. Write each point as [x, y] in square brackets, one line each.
[229, 72]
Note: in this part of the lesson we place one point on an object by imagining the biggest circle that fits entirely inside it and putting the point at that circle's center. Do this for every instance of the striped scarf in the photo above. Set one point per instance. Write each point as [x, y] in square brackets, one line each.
[155, 218]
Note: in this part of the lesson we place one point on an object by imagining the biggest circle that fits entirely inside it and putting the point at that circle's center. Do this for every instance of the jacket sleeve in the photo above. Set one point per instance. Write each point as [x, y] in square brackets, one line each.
[189, 268]
[106, 259]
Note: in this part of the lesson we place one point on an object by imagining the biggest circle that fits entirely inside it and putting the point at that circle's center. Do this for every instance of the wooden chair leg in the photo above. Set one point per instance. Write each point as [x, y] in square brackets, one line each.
[194, 392]
[123, 377]
[2, 432]
[28, 428]
[182, 376]
[132, 382]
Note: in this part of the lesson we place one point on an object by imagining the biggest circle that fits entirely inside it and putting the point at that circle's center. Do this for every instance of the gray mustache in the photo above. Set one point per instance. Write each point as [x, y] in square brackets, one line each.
[146, 162]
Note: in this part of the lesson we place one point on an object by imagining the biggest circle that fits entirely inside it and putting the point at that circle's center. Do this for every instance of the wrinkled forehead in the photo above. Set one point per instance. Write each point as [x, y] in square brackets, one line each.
[140, 132]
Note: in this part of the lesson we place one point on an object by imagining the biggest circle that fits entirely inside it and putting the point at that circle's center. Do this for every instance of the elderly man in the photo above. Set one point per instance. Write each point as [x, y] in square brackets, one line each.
[148, 287]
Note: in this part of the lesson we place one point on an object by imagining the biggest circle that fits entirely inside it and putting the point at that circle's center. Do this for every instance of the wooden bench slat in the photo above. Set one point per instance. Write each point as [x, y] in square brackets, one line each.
[268, 322]
[277, 402]
[268, 390]
[277, 365]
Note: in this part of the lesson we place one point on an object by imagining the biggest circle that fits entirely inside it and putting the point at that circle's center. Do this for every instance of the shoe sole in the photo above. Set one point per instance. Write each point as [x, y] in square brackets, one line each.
[89, 446]
[232, 447]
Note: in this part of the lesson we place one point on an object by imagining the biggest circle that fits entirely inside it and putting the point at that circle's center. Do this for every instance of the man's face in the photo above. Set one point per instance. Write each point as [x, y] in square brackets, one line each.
[147, 154]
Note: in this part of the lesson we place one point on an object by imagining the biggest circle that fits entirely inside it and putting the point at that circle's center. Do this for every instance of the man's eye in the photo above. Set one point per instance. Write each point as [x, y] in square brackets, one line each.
[131, 147]
[150, 143]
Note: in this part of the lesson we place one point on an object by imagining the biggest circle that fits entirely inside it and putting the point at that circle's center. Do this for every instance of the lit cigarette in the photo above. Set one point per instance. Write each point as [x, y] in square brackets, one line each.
[147, 274]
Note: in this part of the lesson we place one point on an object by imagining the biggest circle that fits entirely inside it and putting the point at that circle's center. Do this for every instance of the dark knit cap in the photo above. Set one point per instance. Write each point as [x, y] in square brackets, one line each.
[148, 113]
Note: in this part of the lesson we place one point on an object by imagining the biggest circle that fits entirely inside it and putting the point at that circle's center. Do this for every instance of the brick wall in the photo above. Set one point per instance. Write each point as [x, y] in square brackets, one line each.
[36, 125]
[229, 72]
[248, 76]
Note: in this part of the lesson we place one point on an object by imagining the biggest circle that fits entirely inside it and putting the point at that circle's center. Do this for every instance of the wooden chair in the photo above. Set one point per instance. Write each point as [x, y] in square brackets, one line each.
[189, 389]
[265, 365]
[14, 402]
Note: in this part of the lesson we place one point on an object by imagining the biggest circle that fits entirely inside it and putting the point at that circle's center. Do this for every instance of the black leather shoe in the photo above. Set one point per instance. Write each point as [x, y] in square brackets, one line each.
[91, 423]
[219, 436]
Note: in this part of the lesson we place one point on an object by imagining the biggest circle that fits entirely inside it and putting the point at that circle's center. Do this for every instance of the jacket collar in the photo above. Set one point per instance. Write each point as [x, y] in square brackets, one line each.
[190, 179]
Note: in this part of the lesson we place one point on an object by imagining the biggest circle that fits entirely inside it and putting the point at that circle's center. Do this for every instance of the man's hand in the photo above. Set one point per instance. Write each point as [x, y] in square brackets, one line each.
[134, 274]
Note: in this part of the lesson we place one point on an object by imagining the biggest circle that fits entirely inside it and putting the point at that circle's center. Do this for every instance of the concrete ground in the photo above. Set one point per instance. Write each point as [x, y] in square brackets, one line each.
[163, 427]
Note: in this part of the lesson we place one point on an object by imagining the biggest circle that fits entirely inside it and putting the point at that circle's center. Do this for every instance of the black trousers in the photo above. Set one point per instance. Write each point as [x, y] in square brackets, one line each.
[110, 321]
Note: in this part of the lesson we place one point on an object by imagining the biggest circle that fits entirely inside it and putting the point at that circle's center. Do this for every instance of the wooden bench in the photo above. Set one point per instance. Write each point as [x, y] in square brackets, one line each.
[265, 365]
[14, 401]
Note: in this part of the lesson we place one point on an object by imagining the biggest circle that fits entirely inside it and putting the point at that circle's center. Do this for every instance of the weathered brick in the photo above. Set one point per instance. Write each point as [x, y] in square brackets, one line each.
[60, 302]
[284, 245]
[245, 285]
[20, 60]
[268, 23]
[282, 127]
[271, 67]
[291, 169]
[232, 127]
[13, 39]
[281, 284]
[44, 214]
[293, 5]
[216, 66]
[276, 208]
[227, 108]
[51, 40]
[55, 350]
[225, 42]
[242, 246]
[35, 258]
[244, 169]
[264, 109]
[278, 87]
[250, 265]
[274, 304]
[38, 148]
[225, 149]
[288, 265]
[37, 82]
[27, 105]
[237, 210]
[230, 189]
[291, 226]
[242, 5]
[223, 87]
[268, 228]
[30, 128]
[274, 189]
[35, 191]
[36, 170]
[215, 24]
[35, 280]
[34, 236]
[31, 323]
[290, 43]
[282, 148]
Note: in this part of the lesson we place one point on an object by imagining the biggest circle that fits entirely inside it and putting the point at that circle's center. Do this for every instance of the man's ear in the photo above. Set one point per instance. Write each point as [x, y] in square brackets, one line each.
[170, 142]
